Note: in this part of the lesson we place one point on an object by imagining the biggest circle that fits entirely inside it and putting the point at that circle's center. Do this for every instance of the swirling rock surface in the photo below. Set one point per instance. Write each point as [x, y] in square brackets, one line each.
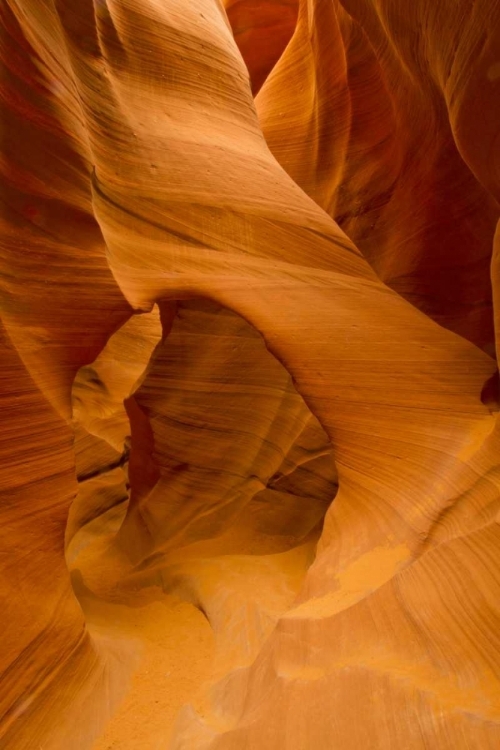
[249, 457]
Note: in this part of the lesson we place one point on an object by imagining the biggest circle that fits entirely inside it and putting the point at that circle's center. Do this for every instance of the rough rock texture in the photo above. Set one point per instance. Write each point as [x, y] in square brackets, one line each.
[250, 438]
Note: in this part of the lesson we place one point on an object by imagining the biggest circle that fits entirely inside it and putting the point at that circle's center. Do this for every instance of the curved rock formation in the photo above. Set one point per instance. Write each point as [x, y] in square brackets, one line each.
[249, 456]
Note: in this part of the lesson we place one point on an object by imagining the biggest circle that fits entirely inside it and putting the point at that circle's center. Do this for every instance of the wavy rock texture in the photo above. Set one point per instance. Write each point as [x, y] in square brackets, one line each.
[249, 456]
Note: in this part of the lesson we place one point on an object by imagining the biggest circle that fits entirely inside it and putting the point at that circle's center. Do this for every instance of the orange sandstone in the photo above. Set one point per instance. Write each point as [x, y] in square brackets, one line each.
[249, 456]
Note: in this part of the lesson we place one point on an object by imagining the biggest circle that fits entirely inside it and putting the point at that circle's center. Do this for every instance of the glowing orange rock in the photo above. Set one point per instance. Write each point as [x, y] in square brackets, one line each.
[320, 259]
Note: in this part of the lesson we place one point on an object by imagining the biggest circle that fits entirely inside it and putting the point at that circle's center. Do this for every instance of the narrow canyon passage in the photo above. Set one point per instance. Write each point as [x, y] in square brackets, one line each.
[249, 315]
[225, 523]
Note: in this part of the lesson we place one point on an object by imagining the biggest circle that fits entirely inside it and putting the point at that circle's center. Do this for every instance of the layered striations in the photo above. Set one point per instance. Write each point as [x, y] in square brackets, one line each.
[249, 457]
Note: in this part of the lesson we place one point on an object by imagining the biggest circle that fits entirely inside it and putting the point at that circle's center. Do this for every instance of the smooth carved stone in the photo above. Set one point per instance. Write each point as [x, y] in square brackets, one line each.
[249, 382]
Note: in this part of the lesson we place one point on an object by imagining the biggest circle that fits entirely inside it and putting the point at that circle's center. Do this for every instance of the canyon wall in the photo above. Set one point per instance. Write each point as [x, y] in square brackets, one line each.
[249, 452]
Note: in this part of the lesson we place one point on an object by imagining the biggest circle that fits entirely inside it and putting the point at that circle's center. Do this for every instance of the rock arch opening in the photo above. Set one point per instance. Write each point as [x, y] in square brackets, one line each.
[204, 481]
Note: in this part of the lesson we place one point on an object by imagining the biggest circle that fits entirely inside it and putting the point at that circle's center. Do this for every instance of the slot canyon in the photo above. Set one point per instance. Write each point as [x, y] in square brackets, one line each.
[249, 400]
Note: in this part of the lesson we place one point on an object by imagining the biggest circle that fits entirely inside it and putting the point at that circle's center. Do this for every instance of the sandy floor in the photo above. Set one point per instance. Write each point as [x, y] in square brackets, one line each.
[161, 648]
[175, 657]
